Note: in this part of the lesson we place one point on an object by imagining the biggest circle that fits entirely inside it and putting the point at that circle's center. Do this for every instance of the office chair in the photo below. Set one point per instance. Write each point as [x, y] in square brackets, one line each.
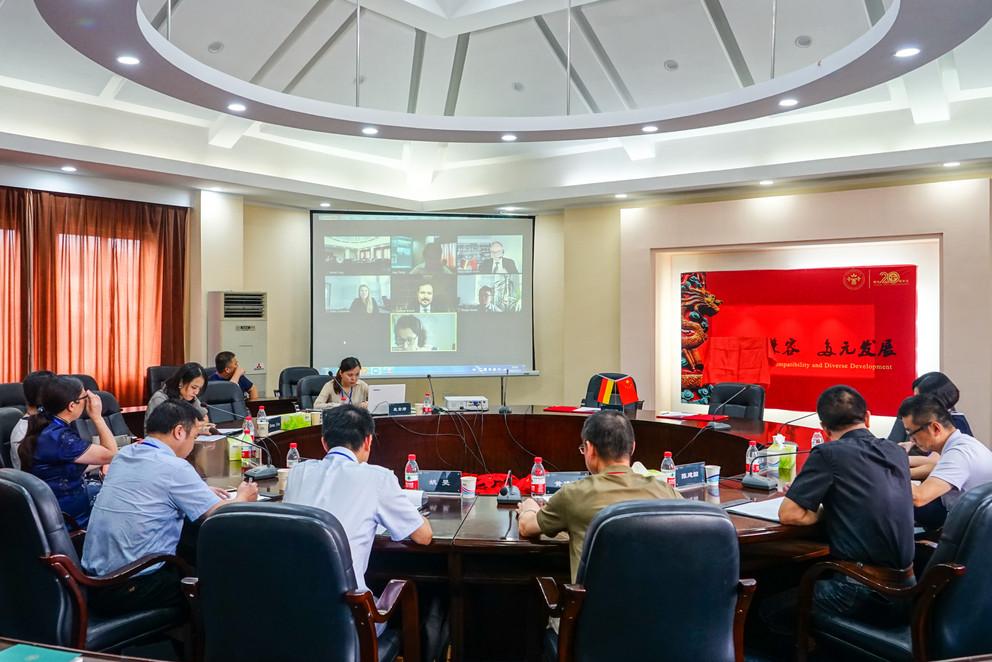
[728, 398]
[309, 388]
[88, 382]
[12, 395]
[43, 587]
[949, 613]
[592, 388]
[657, 575]
[111, 415]
[9, 416]
[290, 377]
[225, 401]
[155, 376]
[317, 612]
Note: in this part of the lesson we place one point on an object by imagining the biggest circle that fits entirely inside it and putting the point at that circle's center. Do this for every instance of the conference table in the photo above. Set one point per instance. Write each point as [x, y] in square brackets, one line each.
[477, 558]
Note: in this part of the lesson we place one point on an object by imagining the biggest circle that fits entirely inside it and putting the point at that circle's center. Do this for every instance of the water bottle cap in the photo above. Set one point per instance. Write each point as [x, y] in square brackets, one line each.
[411, 456]
[292, 445]
[537, 460]
[752, 443]
[668, 453]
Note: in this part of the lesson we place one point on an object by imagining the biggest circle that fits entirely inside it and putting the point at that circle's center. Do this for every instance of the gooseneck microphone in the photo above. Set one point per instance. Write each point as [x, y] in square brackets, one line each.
[712, 425]
[503, 409]
[753, 481]
[798, 418]
[434, 407]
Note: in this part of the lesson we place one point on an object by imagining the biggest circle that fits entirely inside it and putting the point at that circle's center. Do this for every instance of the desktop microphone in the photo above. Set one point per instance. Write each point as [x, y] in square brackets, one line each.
[798, 418]
[755, 482]
[509, 493]
[258, 473]
[503, 409]
[713, 425]
[434, 407]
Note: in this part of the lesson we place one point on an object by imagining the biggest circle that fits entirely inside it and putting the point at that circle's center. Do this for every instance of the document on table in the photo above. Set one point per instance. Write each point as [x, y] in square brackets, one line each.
[767, 509]
[211, 437]
[226, 431]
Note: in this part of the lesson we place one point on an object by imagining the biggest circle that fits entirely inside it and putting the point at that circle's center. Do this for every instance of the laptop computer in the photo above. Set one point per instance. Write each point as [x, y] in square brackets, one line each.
[382, 395]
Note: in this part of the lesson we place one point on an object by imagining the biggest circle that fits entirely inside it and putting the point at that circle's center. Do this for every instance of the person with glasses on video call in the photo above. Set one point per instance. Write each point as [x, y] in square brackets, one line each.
[53, 451]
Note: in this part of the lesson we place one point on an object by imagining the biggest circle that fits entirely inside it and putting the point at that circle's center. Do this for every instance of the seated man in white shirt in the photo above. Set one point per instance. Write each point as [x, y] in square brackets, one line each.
[360, 495]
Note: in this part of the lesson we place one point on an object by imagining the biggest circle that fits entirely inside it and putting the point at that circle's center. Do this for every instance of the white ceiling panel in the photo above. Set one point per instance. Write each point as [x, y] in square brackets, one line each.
[973, 59]
[134, 93]
[640, 35]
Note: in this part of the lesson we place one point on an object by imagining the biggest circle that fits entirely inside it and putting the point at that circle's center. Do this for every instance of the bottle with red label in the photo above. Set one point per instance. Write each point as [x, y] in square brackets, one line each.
[411, 474]
[668, 469]
[752, 465]
[538, 478]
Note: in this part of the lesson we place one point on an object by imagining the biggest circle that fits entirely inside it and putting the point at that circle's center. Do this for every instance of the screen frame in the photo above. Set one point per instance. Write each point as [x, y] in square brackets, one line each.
[533, 372]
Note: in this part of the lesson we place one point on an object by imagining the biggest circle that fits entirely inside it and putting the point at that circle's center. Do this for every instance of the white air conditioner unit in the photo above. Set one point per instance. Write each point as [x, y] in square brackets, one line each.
[236, 323]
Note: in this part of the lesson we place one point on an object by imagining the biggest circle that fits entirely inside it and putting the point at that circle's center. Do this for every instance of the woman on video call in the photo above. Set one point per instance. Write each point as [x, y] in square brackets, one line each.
[364, 303]
[345, 387]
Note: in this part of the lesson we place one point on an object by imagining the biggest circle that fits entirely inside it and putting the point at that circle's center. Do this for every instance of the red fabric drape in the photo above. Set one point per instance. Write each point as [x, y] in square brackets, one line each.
[106, 294]
[13, 292]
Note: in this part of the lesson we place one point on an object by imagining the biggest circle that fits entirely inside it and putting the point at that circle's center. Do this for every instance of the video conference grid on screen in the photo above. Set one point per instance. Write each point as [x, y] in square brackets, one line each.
[413, 295]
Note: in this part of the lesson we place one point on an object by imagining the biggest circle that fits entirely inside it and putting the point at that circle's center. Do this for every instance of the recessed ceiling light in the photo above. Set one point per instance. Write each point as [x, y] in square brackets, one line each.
[952, 164]
[518, 86]
[325, 204]
[68, 168]
[788, 102]
[671, 65]
[620, 196]
[508, 137]
[803, 41]
[909, 51]
[215, 46]
[128, 60]
[650, 128]
[766, 182]
[237, 107]
[370, 130]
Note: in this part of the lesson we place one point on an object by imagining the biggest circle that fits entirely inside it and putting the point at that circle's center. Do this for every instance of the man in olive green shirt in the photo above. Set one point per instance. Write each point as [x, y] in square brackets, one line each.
[607, 445]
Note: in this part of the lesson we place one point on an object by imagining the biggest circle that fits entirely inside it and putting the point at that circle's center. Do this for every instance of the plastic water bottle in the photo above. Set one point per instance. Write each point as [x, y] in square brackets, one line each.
[293, 456]
[668, 469]
[411, 473]
[296, 408]
[250, 424]
[751, 459]
[774, 451]
[816, 439]
[263, 422]
[427, 403]
[538, 478]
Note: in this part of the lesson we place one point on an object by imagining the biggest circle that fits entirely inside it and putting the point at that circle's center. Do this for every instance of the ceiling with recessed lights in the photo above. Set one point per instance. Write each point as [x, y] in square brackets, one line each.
[60, 106]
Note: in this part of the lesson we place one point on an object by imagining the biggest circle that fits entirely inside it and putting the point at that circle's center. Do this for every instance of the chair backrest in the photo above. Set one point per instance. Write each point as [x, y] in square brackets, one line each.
[88, 382]
[660, 575]
[305, 589]
[155, 376]
[34, 606]
[735, 403]
[224, 396]
[12, 395]
[8, 420]
[592, 388]
[290, 377]
[963, 607]
[111, 415]
[309, 388]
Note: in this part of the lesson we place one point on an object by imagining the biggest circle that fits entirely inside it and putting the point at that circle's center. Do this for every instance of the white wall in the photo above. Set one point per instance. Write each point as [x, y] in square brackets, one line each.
[954, 213]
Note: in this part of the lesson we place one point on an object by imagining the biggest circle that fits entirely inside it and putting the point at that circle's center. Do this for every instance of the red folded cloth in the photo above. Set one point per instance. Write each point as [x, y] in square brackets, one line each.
[565, 409]
[697, 417]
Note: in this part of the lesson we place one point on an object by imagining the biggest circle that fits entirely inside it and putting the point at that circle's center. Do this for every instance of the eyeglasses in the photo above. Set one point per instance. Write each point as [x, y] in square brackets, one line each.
[910, 435]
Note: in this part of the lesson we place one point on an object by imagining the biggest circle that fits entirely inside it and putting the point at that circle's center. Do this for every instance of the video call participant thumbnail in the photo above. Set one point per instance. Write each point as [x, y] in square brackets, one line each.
[409, 335]
[497, 262]
[425, 333]
[433, 261]
[364, 302]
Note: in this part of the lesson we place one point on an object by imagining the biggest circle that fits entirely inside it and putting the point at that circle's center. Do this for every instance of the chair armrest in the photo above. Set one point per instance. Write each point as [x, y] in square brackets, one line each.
[934, 580]
[191, 589]
[926, 544]
[367, 612]
[571, 606]
[745, 592]
[550, 595]
[118, 576]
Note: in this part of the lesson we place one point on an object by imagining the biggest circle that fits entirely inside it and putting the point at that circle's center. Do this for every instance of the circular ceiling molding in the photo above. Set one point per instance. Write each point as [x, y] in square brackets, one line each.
[104, 30]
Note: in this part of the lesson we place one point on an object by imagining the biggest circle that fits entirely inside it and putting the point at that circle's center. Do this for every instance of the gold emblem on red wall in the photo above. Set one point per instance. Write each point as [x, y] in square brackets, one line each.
[854, 279]
[889, 278]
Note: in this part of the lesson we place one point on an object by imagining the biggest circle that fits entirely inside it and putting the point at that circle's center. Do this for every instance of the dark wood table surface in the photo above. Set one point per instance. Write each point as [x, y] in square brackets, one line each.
[477, 555]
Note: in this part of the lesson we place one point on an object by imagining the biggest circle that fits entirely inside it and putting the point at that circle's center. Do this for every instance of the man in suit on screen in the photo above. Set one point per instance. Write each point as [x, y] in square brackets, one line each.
[496, 263]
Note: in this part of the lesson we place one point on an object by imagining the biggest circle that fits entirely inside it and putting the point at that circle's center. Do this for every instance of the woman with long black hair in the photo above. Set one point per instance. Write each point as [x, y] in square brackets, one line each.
[345, 387]
[185, 384]
[54, 452]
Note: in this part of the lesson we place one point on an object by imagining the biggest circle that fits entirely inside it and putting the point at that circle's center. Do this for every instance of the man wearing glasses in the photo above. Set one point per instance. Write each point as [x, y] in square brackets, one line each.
[964, 461]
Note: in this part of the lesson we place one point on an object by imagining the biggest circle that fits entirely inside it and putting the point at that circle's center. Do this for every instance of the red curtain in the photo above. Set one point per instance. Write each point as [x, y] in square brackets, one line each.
[106, 294]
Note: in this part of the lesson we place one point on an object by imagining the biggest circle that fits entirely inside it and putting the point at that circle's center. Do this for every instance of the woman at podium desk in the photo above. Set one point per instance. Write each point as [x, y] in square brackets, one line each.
[345, 387]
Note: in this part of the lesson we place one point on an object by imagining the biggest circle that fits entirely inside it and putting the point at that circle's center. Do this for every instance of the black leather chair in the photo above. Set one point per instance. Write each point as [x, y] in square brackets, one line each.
[592, 389]
[290, 377]
[111, 415]
[656, 576]
[309, 388]
[156, 375]
[43, 588]
[12, 395]
[9, 416]
[728, 398]
[224, 401]
[318, 611]
[88, 382]
[950, 613]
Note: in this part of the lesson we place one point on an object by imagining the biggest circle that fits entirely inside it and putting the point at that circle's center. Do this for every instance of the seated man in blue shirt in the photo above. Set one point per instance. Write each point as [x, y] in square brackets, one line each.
[150, 489]
[228, 370]
[964, 462]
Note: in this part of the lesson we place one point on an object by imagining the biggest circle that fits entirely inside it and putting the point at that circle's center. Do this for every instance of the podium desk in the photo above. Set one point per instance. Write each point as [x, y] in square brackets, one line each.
[477, 556]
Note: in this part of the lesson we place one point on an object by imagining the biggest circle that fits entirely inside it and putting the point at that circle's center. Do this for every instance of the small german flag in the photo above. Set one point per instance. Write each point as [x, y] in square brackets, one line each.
[605, 390]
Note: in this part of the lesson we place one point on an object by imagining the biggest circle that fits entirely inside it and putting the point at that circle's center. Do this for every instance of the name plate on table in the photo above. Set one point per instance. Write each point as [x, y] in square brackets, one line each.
[690, 475]
[441, 482]
[399, 409]
[559, 479]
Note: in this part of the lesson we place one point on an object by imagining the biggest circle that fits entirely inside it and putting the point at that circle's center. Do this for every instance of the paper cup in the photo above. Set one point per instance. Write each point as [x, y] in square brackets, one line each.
[468, 487]
[315, 417]
[282, 475]
[712, 473]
